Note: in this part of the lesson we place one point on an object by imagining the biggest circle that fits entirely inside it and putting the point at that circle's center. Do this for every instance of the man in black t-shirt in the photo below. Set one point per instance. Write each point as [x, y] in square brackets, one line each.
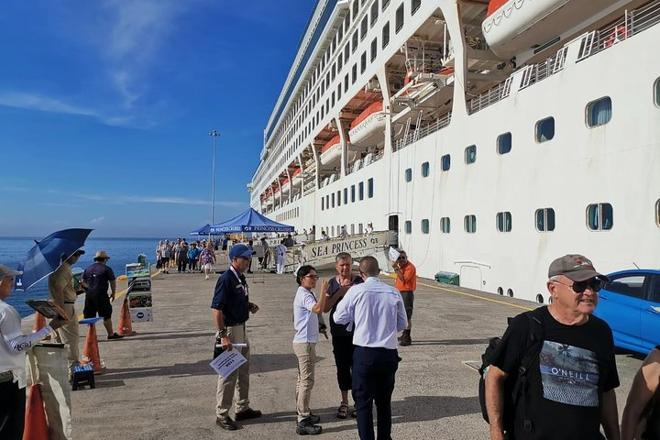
[96, 280]
[571, 374]
[342, 338]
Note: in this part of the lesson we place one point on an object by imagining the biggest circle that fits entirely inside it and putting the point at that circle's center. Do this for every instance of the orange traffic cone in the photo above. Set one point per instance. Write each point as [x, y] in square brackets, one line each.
[125, 328]
[36, 425]
[39, 322]
[90, 354]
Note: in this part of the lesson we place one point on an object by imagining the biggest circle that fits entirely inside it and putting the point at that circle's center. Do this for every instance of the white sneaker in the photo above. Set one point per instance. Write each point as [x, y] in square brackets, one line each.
[207, 277]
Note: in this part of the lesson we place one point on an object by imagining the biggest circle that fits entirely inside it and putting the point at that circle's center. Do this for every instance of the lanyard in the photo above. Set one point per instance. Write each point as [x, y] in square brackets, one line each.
[239, 280]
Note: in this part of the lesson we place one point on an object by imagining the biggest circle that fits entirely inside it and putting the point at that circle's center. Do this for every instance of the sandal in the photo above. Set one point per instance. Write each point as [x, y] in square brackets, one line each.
[342, 411]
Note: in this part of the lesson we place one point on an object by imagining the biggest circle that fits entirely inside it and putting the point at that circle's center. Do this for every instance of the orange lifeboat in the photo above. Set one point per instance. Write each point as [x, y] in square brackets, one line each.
[297, 174]
[331, 151]
[369, 125]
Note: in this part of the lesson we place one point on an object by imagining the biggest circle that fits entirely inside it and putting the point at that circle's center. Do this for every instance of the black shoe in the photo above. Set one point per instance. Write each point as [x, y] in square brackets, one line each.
[226, 423]
[307, 427]
[115, 336]
[248, 414]
[314, 418]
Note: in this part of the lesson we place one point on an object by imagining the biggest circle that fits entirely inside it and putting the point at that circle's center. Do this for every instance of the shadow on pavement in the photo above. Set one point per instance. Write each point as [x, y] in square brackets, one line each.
[479, 341]
[265, 363]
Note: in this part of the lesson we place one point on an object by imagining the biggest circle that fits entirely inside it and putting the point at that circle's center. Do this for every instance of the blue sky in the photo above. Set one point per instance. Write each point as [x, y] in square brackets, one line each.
[105, 108]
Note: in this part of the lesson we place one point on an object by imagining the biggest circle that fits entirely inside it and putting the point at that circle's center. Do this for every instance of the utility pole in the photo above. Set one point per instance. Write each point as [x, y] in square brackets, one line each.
[214, 135]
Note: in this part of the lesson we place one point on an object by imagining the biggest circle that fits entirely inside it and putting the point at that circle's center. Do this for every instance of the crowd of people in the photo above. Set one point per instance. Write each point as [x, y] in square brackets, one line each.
[552, 376]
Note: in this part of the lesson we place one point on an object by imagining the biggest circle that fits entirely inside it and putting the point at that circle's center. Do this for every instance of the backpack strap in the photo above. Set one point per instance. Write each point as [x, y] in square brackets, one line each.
[532, 351]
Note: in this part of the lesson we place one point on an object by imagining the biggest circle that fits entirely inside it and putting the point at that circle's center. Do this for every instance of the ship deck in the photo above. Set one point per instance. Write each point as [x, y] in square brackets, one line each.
[158, 384]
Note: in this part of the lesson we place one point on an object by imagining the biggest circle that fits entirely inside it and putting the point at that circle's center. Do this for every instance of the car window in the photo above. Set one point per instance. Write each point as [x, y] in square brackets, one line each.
[654, 292]
[628, 285]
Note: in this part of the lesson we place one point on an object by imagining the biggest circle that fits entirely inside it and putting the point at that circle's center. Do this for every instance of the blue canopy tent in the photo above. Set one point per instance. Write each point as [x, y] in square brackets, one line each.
[250, 221]
[204, 230]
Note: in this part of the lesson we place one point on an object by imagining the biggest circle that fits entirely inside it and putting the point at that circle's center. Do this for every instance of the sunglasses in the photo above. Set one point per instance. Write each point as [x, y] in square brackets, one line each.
[595, 284]
[316, 277]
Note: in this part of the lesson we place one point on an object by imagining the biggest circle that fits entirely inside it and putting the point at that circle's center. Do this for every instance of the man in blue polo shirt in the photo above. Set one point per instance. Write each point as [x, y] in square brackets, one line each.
[231, 308]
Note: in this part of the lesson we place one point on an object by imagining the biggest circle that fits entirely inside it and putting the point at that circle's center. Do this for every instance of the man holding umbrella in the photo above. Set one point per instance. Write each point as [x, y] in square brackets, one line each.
[63, 294]
[96, 279]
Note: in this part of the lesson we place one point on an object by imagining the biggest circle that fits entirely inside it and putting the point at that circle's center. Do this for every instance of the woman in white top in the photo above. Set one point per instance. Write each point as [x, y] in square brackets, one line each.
[13, 345]
[306, 311]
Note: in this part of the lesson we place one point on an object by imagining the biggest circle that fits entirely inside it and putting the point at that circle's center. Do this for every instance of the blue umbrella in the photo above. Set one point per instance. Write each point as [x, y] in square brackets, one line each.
[46, 255]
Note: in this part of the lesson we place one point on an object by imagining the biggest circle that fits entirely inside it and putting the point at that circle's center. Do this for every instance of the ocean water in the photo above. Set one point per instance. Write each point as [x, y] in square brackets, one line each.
[121, 250]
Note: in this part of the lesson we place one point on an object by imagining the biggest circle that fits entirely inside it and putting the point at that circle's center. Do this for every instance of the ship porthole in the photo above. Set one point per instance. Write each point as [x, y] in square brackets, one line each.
[509, 292]
[500, 291]
[539, 298]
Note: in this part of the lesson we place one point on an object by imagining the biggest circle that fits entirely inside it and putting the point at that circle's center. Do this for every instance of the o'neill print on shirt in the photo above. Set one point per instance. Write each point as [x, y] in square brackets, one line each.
[569, 374]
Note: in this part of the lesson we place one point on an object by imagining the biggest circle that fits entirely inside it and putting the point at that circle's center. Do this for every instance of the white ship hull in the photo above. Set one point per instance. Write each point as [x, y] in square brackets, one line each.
[616, 163]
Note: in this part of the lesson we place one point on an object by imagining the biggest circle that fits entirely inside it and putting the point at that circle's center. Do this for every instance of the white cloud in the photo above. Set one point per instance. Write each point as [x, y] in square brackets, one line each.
[97, 220]
[157, 200]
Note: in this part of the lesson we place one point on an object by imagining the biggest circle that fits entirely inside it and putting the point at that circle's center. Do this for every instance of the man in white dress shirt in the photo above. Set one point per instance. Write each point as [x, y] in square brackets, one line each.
[377, 313]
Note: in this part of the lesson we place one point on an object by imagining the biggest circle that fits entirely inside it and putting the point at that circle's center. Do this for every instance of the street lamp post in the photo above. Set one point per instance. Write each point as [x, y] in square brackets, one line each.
[214, 135]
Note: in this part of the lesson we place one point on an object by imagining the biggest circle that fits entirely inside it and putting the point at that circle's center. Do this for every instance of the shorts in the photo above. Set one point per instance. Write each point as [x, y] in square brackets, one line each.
[164, 261]
[408, 302]
[208, 266]
[97, 303]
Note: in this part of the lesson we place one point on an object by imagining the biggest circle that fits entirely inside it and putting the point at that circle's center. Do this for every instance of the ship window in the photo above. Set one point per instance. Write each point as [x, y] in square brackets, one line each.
[503, 220]
[425, 226]
[386, 34]
[408, 227]
[332, 198]
[327, 202]
[339, 198]
[657, 213]
[363, 28]
[374, 49]
[334, 71]
[545, 129]
[470, 224]
[471, 154]
[600, 216]
[322, 203]
[333, 231]
[354, 41]
[356, 5]
[545, 219]
[504, 143]
[656, 92]
[360, 228]
[445, 162]
[399, 19]
[345, 196]
[414, 6]
[425, 169]
[352, 193]
[333, 99]
[354, 72]
[374, 12]
[363, 62]
[347, 51]
[386, 3]
[338, 91]
[370, 188]
[599, 112]
[361, 191]
[346, 83]
[340, 61]
[445, 225]
[352, 228]
[408, 174]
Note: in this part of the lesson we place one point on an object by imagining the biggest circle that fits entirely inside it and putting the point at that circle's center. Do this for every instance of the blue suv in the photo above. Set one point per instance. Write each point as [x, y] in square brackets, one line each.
[630, 304]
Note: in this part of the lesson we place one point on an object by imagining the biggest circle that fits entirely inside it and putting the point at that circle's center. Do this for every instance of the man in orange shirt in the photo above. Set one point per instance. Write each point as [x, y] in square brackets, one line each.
[406, 283]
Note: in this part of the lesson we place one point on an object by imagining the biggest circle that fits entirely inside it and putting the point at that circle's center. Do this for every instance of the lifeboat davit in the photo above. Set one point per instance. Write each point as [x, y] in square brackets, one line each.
[331, 151]
[514, 26]
[369, 126]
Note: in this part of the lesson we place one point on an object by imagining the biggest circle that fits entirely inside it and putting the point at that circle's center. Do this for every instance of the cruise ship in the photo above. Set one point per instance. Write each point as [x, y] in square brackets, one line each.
[491, 136]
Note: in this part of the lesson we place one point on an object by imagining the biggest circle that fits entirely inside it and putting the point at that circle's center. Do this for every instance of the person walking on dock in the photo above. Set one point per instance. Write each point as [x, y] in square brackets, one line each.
[231, 308]
[560, 358]
[280, 256]
[96, 280]
[63, 294]
[342, 337]
[13, 345]
[306, 311]
[207, 259]
[182, 257]
[406, 284]
[377, 313]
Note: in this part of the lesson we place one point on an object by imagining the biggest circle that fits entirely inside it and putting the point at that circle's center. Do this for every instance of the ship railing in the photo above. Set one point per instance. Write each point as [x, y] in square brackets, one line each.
[422, 131]
[632, 23]
[540, 71]
[490, 96]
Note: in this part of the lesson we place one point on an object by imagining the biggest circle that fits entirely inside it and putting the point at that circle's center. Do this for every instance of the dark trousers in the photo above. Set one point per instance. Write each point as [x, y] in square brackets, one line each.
[342, 347]
[373, 381]
[192, 264]
[12, 411]
[183, 262]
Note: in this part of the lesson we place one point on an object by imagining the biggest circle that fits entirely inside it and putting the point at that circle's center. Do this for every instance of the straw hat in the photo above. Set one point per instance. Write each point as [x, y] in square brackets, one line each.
[101, 255]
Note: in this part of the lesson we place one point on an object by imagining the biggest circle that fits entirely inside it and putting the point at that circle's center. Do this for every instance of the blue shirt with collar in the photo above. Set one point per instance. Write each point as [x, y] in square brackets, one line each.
[376, 310]
[231, 297]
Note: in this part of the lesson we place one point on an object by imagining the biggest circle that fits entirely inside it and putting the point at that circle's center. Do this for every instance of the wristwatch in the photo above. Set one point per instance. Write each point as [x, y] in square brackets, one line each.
[222, 333]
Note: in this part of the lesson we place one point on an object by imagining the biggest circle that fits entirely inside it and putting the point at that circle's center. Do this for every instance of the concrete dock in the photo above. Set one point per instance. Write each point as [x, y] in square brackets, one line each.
[158, 383]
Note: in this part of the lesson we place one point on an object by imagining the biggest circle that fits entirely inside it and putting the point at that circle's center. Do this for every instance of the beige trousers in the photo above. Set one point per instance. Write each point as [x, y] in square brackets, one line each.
[226, 386]
[69, 335]
[306, 354]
